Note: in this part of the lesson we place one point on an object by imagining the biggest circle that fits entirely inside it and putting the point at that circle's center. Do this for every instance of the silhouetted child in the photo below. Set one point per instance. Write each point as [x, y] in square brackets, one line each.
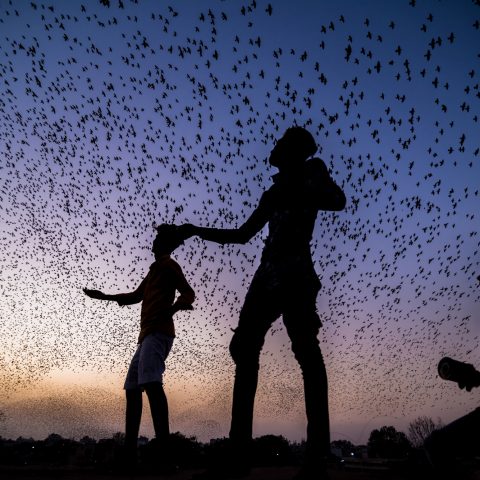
[157, 292]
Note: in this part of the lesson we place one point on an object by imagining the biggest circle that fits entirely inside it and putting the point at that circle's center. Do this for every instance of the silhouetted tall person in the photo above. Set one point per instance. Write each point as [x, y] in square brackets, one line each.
[157, 294]
[284, 284]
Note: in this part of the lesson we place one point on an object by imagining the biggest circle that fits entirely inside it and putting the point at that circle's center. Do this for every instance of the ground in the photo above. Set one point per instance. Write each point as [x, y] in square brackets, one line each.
[270, 473]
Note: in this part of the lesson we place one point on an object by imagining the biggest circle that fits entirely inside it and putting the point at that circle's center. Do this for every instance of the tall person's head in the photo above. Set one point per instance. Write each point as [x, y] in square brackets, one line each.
[292, 149]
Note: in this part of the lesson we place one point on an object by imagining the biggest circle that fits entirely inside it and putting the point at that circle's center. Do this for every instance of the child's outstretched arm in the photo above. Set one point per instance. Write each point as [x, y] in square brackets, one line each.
[96, 294]
[121, 298]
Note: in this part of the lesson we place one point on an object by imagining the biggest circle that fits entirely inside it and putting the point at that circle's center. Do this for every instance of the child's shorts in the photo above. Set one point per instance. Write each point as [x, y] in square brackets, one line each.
[148, 363]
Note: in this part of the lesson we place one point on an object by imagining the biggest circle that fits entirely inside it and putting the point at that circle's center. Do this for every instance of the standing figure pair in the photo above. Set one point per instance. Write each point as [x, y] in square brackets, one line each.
[285, 284]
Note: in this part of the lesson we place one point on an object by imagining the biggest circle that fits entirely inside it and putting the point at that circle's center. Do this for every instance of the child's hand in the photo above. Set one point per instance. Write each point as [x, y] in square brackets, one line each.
[96, 294]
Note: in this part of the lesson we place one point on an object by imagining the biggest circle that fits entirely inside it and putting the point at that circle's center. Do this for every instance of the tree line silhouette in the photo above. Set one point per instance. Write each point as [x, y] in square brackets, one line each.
[187, 452]
[105, 454]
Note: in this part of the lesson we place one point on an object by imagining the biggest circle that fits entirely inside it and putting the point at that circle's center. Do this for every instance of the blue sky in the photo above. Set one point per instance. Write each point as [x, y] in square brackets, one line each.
[116, 119]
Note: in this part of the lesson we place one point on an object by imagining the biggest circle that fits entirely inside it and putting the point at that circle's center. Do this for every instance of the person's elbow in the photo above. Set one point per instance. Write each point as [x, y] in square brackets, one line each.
[340, 202]
[188, 295]
[333, 202]
[243, 235]
[242, 239]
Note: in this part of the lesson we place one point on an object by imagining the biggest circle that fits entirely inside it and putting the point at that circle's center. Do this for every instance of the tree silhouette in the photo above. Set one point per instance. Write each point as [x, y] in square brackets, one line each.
[272, 450]
[420, 428]
[345, 446]
[388, 443]
[119, 438]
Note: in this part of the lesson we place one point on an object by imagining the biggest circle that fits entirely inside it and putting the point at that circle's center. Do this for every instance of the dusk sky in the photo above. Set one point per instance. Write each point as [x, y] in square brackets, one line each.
[119, 115]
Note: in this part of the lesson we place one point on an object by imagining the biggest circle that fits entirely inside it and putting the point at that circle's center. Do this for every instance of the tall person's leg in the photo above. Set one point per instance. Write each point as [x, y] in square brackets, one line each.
[302, 326]
[257, 315]
[245, 350]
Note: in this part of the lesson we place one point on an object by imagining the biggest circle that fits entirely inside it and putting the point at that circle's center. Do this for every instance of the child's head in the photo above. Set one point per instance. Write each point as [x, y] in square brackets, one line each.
[168, 238]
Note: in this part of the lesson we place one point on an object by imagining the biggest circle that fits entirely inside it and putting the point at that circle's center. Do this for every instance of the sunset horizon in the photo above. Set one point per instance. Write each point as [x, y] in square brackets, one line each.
[117, 117]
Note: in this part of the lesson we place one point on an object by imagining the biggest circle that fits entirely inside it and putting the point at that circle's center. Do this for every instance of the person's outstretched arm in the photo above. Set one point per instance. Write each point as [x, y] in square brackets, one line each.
[243, 234]
[121, 298]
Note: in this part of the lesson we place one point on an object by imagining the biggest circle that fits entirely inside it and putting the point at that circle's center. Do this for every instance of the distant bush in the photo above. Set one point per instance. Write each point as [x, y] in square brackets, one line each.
[387, 442]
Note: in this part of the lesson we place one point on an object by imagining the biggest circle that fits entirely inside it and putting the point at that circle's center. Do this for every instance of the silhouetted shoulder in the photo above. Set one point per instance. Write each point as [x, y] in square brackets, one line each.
[325, 193]
[316, 168]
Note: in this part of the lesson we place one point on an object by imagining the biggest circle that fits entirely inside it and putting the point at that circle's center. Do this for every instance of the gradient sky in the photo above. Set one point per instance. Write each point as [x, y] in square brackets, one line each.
[118, 117]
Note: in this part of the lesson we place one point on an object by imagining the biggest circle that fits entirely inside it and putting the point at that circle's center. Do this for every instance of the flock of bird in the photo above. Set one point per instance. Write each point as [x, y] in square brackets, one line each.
[117, 115]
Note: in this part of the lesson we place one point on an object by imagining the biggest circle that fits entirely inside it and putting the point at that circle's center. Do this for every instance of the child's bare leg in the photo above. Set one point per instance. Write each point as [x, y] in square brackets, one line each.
[132, 418]
[159, 408]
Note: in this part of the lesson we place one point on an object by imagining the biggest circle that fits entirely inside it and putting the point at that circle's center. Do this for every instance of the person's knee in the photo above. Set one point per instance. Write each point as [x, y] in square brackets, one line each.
[133, 393]
[153, 387]
[245, 349]
[307, 351]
